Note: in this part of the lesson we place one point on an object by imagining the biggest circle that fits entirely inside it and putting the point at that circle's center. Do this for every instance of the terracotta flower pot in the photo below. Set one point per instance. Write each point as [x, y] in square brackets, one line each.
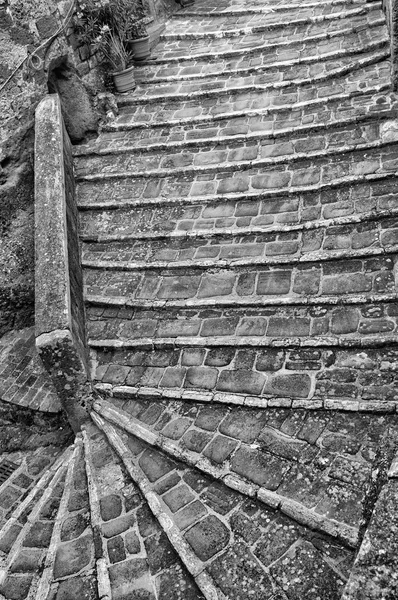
[124, 80]
[140, 48]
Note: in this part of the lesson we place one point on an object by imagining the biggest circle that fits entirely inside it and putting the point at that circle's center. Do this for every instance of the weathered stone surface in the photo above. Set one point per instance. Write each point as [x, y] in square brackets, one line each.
[238, 573]
[307, 560]
[208, 537]
[73, 556]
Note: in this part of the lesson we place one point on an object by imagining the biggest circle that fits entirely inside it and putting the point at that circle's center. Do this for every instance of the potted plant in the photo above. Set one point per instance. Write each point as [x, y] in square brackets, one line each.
[138, 40]
[107, 27]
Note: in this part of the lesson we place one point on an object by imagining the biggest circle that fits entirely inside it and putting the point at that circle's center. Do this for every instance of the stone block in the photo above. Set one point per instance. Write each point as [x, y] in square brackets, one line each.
[292, 385]
[220, 449]
[201, 378]
[273, 283]
[241, 381]
[208, 537]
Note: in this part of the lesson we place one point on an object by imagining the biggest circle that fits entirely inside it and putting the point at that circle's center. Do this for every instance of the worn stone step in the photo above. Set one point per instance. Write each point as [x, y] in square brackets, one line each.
[68, 552]
[366, 238]
[231, 25]
[134, 556]
[310, 117]
[282, 177]
[181, 24]
[26, 537]
[261, 150]
[358, 377]
[234, 62]
[225, 7]
[279, 97]
[330, 324]
[273, 73]
[365, 199]
[197, 286]
[277, 445]
[199, 516]
[216, 44]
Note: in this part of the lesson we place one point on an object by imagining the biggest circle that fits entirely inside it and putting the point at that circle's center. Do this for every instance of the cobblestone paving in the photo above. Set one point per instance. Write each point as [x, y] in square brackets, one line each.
[23, 380]
[239, 227]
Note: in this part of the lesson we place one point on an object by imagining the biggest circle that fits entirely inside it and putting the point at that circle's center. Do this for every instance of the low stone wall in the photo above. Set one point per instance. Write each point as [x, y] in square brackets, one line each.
[60, 330]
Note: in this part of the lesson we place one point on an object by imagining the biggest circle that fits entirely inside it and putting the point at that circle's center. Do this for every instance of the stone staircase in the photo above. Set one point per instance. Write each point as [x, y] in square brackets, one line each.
[239, 234]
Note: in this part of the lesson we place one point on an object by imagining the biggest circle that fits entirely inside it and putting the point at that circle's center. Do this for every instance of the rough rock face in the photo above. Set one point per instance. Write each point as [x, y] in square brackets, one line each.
[23, 27]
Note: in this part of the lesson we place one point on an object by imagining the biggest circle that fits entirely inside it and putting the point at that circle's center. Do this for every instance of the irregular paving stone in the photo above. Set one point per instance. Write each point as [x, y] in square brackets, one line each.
[73, 556]
[27, 561]
[78, 587]
[175, 429]
[117, 526]
[126, 577]
[116, 551]
[74, 526]
[155, 465]
[302, 561]
[259, 467]
[239, 574]
[111, 507]
[243, 424]
[39, 535]
[220, 448]
[132, 542]
[160, 553]
[279, 536]
[178, 497]
[177, 584]
[208, 537]
[16, 587]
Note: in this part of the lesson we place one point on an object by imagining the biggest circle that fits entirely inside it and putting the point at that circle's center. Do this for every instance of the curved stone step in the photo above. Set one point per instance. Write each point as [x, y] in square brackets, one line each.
[25, 539]
[226, 7]
[244, 23]
[273, 75]
[238, 154]
[199, 514]
[224, 444]
[232, 43]
[366, 76]
[339, 203]
[345, 111]
[67, 565]
[333, 375]
[323, 242]
[134, 555]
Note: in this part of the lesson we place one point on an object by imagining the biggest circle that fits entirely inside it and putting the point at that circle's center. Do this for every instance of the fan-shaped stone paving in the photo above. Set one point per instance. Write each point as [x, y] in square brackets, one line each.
[239, 235]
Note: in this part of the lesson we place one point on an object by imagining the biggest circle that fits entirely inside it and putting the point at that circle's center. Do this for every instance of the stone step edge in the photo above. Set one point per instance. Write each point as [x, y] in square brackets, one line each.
[366, 217]
[40, 485]
[331, 74]
[243, 342]
[195, 567]
[242, 165]
[310, 257]
[125, 392]
[101, 564]
[17, 545]
[238, 196]
[343, 532]
[132, 100]
[189, 13]
[238, 303]
[43, 588]
[233, 140]
[238, 71]
[299, 21]
[249, 30]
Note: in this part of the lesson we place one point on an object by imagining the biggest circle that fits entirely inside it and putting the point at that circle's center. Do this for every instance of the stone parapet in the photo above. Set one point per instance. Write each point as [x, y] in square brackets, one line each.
[60, 329]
